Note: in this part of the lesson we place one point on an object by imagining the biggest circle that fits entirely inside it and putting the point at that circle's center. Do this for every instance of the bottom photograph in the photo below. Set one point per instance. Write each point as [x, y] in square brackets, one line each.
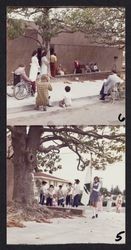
[65, 185]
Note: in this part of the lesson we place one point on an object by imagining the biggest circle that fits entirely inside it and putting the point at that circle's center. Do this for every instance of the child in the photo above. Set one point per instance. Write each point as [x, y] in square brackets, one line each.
[50, 193]
[60, 196]
[100, 202]
[67, 99]
[109, 202]
[94, 197]
[96, 69]
[76, 193]
[69, 194]
[42, 98]
[60, 70]
[43, 191]
[118, 203]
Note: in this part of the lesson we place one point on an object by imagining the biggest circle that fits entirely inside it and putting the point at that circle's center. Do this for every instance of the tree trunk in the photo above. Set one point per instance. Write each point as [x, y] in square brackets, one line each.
[25, 147]
[48, 55]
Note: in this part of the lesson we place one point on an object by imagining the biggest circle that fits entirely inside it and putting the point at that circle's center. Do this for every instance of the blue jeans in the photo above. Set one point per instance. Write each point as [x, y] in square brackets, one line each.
[68, 200]
[42, 199]
[49, 201]
[76, 200]
[61, 202]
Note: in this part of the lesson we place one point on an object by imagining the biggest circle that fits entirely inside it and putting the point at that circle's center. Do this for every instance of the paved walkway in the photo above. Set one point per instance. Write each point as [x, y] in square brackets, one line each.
[86, 107]
[68, 231]
[78, 90]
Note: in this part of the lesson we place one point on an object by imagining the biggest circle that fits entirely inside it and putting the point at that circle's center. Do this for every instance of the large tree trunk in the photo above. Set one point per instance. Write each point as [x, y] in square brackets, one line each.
[25, 147]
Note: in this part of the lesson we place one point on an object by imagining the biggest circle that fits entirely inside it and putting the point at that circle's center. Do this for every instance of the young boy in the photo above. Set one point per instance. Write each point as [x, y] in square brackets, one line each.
[60, 196]
[69, 194]
[50, 193]
[76, 193]
[67, 98]
[43, 191]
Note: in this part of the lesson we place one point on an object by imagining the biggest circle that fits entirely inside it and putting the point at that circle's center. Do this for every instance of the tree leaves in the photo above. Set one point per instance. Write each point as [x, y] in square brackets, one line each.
[100, 25]
[95, 145]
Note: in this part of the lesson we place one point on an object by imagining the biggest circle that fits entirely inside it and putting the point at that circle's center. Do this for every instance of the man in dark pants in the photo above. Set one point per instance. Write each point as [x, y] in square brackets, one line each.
[43, 191]
[112, 81]
[50, 193]
[76, 193]
[69, 194]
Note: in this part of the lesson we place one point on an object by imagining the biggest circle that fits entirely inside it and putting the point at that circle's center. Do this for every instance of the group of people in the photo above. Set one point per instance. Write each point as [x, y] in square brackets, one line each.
[41, 70]
[89, 67]
[61, 197]
[40, 64]
[71, 196]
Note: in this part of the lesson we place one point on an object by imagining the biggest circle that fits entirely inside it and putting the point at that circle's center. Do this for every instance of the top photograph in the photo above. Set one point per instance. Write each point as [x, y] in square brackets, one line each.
[65, 66]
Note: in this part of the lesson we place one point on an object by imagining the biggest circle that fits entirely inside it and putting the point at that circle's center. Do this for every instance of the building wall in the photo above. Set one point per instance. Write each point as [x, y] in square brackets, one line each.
[104, 56]
[68, 47]
[77, 38]
[19, 51]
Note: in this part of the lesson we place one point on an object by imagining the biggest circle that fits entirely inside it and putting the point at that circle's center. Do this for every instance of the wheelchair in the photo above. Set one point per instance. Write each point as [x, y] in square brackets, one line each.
[18, 88]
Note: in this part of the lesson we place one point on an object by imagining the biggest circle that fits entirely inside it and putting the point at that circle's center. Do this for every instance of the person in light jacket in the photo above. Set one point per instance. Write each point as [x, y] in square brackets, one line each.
[76, 193]
[34, 69]
[112, 81]
[60, 196]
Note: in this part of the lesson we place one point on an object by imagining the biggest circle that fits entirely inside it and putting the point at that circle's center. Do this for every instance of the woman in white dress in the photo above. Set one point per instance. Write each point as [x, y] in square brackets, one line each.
[34, 69]
[44, 64]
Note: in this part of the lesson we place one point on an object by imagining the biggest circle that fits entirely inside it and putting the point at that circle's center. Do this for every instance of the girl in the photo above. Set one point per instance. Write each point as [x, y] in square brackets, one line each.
[109, 202]
[118, 203]
[94, 197]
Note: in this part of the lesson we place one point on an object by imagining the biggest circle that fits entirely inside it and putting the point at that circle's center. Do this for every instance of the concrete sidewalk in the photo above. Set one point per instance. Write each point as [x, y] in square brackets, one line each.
[77, 230]
[86, 107]
[85, 90]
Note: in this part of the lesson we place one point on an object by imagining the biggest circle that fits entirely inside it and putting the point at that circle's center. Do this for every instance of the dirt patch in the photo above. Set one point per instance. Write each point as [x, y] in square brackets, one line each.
[17, 214]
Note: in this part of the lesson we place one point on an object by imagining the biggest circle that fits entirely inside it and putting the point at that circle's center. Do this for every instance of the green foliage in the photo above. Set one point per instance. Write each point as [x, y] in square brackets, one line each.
[100, 25]
[98, 146]
[48, 162]
[116, 190]
[104, 191]
[15, 28]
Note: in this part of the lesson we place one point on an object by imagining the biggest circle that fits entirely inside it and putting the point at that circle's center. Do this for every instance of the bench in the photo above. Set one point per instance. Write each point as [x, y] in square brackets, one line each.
[72, 210]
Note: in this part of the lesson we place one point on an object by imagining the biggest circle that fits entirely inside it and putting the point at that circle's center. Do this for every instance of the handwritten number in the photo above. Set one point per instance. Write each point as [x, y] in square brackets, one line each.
[118, 236]
[121, 119]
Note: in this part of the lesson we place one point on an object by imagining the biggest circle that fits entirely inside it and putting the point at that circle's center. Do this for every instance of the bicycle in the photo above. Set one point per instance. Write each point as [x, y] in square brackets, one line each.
[18, 88]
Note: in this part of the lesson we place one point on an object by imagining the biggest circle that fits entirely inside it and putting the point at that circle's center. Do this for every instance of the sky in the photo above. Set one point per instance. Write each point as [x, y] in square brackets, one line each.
[113, 175]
